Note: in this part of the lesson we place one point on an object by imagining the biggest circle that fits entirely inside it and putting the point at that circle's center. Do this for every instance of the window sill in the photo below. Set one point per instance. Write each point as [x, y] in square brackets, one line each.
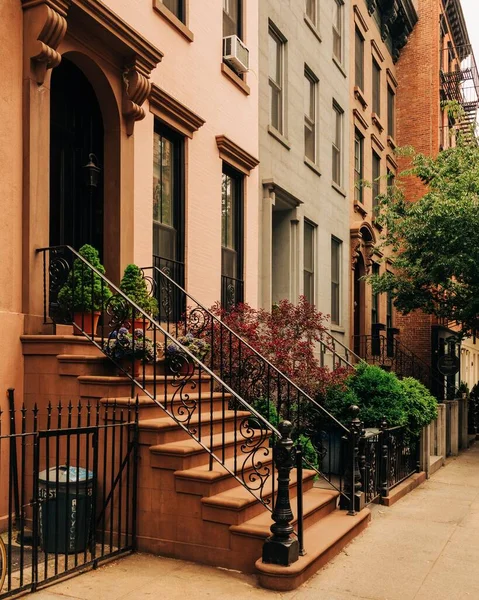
[280, 137]
[337, 329]
[391, 142]
[313, 166]
[340, 66]
[232, 76]
[359, 95]
[358, 207]
[338, 188]
[173, 20]
[377, 225]
[377, 122]
[313, 28]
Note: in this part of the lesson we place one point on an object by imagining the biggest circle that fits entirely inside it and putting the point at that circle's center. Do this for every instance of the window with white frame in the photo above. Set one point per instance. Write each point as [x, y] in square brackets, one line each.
[337, 143]
[338, 30]
[276, 78]
[310, 86]
[311, 10]
[336, 281]
[308, 261]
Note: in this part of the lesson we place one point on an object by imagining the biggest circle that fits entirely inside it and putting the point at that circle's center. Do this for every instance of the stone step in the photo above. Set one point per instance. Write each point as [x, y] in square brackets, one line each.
[187, 454]
[247, 539]
[238, 504]
[201, 481]
[166, 429]
[58, 344]
[322, 541]
[83, 364]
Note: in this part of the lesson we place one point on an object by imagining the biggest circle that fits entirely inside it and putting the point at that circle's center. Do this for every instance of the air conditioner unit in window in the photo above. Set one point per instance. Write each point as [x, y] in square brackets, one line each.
[235, 53]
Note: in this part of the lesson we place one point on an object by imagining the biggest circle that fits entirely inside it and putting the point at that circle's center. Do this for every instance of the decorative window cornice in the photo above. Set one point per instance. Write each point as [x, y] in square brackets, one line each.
[173, 112]
[359, 119]
[359, 19]
[233, 154]
[275, 190]
[375, 141]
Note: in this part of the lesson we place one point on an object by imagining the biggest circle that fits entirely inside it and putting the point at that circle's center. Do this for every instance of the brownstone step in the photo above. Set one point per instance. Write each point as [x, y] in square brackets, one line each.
[58, 344]
[203, 481]
[322, 541]
[83, 364]
[188, 454]
[237, 505]
[166, 429]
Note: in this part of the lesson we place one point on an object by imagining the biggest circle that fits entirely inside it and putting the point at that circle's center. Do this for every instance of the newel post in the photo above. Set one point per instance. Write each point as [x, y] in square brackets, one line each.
[352, 475]
[384, 437]
[280, 548]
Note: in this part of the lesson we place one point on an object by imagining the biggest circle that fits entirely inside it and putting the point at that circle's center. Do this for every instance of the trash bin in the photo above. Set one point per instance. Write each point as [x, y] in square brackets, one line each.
[65, 496]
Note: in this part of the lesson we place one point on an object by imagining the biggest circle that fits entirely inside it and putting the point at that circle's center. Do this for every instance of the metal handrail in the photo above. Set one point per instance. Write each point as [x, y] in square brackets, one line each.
[251, 349]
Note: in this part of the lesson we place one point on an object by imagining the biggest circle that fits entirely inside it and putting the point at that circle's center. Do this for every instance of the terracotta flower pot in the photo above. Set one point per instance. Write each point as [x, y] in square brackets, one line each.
[85, 323]
[126, 367]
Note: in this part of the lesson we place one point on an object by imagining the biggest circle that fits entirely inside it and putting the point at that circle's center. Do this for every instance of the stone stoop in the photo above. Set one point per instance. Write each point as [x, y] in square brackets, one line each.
[189, 505]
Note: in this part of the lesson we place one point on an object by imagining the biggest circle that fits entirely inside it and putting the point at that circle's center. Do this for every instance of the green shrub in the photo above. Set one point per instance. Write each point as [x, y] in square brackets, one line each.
[379, 395]
[134, 286]
[337, 400]
[420, 406]
[83, 292]
[310, 456]
[265, 409]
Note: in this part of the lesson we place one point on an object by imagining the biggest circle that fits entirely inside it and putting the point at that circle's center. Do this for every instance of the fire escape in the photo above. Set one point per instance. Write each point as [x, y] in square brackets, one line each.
[460, 83]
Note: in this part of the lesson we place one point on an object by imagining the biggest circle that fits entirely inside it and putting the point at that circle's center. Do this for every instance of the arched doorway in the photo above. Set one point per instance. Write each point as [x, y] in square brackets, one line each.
[358, 302]
[76, 140]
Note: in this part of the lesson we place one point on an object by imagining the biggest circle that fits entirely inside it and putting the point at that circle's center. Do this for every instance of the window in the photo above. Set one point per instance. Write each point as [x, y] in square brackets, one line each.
[177, 7]
[310, 84]
[311, 11]
[389, 310]
[167, 194]
[338, 30]
[335, 280]
[391, 178]
[232, 18]
[375, 299]
[337, 142]
[376, 187]
[391, 109]
[376, 88]
[358, 166]
[276, 46]
[359, 59]
[231, 237]
[308, 262]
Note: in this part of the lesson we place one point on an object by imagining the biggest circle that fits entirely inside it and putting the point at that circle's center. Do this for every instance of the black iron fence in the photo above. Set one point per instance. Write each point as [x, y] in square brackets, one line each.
[68, 481]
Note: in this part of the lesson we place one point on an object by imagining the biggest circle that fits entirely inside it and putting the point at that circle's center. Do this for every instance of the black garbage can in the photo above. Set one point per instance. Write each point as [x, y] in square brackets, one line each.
[65, 495]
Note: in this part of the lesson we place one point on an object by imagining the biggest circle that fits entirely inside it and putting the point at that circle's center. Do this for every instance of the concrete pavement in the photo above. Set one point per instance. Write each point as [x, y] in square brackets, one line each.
[425, 547]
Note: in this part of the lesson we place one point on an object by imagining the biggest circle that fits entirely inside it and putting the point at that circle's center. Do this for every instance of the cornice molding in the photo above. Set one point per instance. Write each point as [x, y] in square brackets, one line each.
[392, 161]
[173, 112]
[233, 154]
[375, 141]
[360, 119]
[44, 27]
[359, 19]
[274, 189]
[377, 50]
[390, 75]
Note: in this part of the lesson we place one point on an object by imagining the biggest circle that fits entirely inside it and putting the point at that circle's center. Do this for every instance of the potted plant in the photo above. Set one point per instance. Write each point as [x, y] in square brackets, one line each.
[177, 359]
[83, 294]
[129, 350]
[134, 286]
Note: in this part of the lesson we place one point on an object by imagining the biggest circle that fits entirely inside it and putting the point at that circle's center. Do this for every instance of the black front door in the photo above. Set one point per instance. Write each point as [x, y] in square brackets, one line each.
[76, 129]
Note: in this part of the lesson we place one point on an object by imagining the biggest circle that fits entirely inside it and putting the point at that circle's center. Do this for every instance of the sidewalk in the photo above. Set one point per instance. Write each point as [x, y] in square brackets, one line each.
[426, 547]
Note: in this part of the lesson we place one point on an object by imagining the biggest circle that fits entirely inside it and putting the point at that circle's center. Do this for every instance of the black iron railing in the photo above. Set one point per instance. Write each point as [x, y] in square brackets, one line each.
[176, 271]
[255, 379]
[156, 362]
[232, 292]
[70, 488]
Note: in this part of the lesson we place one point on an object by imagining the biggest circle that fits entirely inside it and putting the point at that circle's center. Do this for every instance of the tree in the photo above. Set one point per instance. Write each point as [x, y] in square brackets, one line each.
[434, 242]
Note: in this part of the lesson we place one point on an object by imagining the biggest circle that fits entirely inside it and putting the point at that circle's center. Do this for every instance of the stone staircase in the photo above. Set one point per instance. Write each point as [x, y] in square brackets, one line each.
[189, 506]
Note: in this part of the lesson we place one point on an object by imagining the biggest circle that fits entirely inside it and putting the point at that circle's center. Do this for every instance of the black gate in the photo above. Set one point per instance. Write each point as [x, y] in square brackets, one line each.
[68, 480]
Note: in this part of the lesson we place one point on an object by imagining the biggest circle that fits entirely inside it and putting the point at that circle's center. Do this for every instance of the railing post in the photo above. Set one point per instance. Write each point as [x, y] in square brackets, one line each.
[384, 486]
[352, 475]
[280, 548]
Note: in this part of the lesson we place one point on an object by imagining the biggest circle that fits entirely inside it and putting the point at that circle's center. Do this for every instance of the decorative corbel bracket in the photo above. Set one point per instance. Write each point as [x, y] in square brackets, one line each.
[44, 27]
[355, 246]
[136, 89]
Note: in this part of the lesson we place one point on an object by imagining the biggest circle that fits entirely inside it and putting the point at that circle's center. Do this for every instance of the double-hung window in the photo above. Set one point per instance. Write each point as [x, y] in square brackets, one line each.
[310, 86]
[232, 18]
[358, 166]
[308, 261]
[311, 10]
[358, 59]
[391, 110]
[338, 30]
[376, 88]
[335, 281]
[376, 186]
[337, 143]
[375, 299]
[276, 79]
[231, 237]
[177, 7]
